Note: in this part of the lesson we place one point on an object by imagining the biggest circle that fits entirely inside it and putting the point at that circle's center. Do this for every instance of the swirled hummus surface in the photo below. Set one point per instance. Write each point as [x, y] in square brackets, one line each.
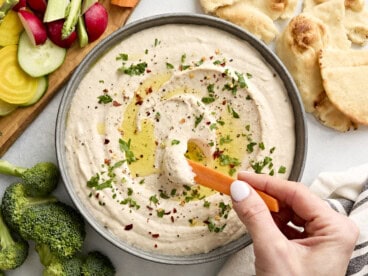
[161, 96]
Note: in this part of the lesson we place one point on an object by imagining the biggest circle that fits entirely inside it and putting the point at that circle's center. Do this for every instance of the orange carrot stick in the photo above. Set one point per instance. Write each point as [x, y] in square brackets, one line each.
[221, 183]
[125, 3]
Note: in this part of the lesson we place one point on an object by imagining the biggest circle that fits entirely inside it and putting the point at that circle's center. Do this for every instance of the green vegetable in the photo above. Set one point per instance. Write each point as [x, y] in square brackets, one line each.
[55, 10]
[73, 12]
[40, 180]
[35, 60]
[56, 266]
[6, 7]
[15, 201]
[82, 32]
[97, 264]
[13, 250]
[55, 224]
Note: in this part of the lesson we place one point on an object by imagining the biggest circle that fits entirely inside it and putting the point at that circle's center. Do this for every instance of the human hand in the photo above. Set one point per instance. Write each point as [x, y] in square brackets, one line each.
[325, 245]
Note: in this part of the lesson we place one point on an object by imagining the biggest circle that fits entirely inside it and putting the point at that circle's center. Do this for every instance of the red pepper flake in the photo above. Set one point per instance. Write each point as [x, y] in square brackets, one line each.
[174, 210]
[148, 70]
[172, 219]
[107, 162]
[106, 141]
[224, 102]
[97, 195]
[149, 90]
[168, 213]
[115, 103]
[155, 236]
[149, 208]
[139, 100]
[128, 227]
[105, 90]
[217, 153]
[208, 123]
[155, 245]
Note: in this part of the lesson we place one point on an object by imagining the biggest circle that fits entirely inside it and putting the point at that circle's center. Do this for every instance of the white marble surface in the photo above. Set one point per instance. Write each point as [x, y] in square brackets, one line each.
[327, 151]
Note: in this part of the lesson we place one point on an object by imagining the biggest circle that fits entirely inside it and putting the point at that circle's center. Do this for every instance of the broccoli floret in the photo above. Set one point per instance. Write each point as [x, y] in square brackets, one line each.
[13, 249]
[55, 224]
[15, 201]
[40, 180]
[57, 266]
[97, 264]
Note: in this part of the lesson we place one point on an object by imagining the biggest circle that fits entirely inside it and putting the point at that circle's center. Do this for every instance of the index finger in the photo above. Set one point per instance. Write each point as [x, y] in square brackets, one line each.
[297, 196]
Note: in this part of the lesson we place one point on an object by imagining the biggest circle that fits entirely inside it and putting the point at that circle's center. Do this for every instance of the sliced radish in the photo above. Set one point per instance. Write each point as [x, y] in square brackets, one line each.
[96, 19]
[54, 30]
[34, 27]
[19, 5]
[37, 5]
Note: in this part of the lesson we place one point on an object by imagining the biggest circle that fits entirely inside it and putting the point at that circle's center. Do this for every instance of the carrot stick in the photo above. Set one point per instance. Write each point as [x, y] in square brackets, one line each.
[221, 183]
[125, 3]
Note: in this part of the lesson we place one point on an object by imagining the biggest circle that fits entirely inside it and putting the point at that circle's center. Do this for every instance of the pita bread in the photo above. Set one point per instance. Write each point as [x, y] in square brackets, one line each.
[330, 116]
[355, 20]
[356, 25]
[256, 16]
[250, 18]
[344, 74]
[298, 48]
[210, 6]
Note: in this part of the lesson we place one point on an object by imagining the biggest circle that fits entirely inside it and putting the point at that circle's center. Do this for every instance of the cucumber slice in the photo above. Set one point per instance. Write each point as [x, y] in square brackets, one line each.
[43, 83]
[38, 61]
[55, 10]
[6, 108]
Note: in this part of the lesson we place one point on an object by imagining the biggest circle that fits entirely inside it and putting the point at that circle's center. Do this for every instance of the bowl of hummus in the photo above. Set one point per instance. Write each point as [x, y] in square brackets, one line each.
[154, 94]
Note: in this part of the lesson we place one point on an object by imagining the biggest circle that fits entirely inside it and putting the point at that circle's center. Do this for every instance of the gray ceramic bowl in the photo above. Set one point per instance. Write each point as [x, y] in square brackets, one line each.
[109, 42]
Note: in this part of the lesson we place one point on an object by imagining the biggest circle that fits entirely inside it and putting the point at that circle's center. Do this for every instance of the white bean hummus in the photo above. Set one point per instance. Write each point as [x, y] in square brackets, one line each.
[161, 96]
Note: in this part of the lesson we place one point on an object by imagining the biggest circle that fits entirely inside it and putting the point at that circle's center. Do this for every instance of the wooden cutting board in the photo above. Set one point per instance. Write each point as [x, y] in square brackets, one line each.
[13, 125]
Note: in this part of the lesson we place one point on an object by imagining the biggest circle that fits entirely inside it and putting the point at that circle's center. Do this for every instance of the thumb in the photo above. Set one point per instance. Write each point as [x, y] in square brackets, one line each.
[253, 212]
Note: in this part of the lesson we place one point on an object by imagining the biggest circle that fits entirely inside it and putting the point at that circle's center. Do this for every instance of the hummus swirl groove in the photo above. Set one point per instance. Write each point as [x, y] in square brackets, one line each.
[158, 97]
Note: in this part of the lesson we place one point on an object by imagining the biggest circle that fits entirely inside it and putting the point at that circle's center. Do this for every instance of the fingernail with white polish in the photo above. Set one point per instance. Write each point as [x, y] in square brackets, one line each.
[239, 190]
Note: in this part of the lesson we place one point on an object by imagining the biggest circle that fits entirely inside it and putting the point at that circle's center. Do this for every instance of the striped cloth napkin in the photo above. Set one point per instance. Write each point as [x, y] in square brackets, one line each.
[347, 193]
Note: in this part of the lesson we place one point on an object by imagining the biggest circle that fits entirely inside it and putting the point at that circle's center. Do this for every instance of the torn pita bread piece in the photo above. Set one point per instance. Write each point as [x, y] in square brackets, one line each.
[344, 74]
[298, 48]
[256, 16]
[301, 41]
[249, 18]
[331, 117]
[355, 19]
[210, 6]
[356, 25]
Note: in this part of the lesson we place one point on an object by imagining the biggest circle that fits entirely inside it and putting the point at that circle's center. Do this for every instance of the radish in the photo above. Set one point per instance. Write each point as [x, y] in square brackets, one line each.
[96, 19]
[21, 4]
[54, 29]
[38, 5]
[34, 27]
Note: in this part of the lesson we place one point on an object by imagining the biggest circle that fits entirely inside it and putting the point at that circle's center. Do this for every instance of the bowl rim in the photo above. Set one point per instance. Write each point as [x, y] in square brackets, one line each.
[118, 36]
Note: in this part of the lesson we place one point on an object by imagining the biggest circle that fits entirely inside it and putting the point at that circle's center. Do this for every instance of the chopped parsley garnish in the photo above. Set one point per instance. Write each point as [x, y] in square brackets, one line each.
[208, 100]
[233, 112]
[157, 42]
[169, 66]
[206, 204]
[125, 147]
[122, 56]
[164, 195]
[130, 202]
[175, 142]
[224, 209]
[130, 191]
[241, 80]
[198, 120]
[173, 192]
[183, 58]
[225, 140]
[134, 69]
[282, 169]
[160, 213]
[212, 227]
[250, 147]
[211, 88]
[261, 145]
[104, 99]
[153, 199]
[260, 165]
